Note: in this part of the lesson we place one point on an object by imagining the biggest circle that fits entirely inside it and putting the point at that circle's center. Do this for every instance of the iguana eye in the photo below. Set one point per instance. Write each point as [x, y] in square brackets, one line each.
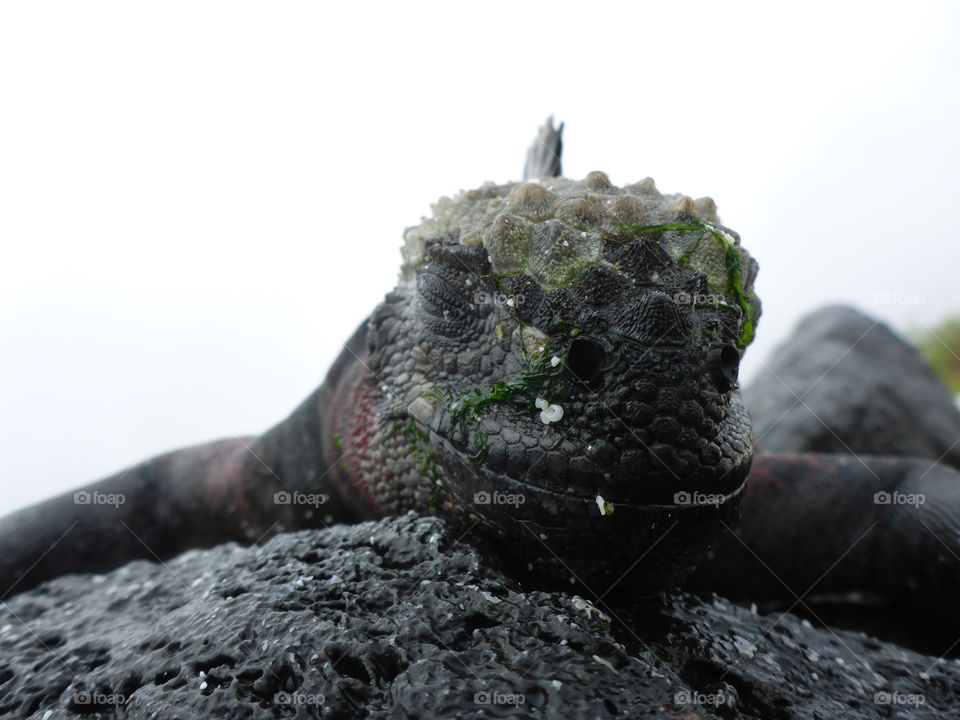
[723, 361]
[585, 360]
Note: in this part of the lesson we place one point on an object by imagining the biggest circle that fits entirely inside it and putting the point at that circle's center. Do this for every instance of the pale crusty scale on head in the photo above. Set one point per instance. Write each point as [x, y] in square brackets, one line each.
[555, 228]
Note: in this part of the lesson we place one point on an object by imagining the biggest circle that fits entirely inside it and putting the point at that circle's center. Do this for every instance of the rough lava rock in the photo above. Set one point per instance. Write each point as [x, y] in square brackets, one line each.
[399, 619]
[843, 382]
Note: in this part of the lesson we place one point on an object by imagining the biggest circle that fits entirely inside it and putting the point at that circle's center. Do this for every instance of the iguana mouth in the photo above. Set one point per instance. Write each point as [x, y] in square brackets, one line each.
[572, 537]
[491, 481]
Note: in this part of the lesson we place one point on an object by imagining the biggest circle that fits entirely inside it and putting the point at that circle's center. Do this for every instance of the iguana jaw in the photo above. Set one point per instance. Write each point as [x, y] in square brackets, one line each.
[563, 537]
[654, 520]
[469, 476]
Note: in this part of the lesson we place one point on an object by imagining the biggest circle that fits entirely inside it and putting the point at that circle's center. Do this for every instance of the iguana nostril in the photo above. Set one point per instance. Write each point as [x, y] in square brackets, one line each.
[585, 360]
[723, 362]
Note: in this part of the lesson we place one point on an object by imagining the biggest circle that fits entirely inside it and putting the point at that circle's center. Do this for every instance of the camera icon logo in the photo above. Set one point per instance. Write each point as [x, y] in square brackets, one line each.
[281, 498]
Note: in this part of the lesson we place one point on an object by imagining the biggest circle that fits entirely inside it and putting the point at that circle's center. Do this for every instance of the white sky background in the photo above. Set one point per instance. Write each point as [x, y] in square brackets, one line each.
[199, 201]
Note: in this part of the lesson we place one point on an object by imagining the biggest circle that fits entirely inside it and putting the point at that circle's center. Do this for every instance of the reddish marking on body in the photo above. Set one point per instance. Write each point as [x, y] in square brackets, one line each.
[225, 485]
[761, 470]
[364, 423]
[355, 413]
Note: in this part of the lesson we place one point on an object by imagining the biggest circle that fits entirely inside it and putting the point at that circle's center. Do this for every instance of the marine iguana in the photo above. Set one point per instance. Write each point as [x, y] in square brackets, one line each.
[556, 373]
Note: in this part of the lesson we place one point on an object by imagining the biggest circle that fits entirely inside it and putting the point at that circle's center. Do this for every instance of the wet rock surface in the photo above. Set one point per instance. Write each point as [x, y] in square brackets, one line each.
[397, 619]
[843, 382]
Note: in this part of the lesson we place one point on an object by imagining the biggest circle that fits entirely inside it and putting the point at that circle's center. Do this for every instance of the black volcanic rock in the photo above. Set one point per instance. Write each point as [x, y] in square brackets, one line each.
[399, 619]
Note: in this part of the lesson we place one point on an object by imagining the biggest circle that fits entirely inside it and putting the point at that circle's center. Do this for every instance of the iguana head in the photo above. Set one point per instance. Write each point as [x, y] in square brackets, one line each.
[573, 354]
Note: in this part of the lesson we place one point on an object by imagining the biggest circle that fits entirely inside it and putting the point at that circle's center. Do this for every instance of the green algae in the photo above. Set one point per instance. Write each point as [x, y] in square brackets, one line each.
[540, 378]
[424, 459]
[524, 388]
[338, 446]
